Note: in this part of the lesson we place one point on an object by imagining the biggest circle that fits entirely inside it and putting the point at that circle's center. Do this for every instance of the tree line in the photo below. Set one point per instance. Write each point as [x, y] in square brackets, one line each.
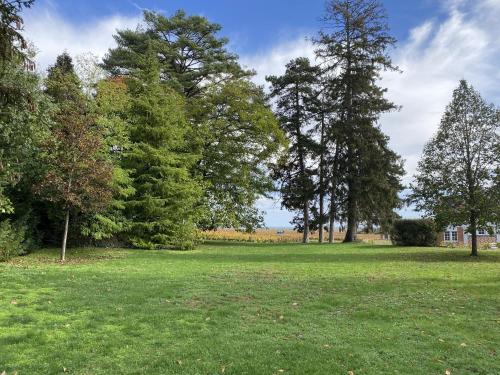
[167, 135]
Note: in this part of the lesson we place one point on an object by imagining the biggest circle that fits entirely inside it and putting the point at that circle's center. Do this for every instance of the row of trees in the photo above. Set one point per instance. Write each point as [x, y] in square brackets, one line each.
[169, 136]
[329, 112]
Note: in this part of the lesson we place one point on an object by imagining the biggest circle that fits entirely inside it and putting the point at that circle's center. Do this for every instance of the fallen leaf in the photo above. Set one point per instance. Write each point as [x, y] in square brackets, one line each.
[281, 370]
[351, 372]
[281, 317]
[463, 345]
[295, 304]
[447, 372]
[207, 319]
[13, 302]
[179, 362]
[327, 346]
[222, 369]
[441, 340]
[65, 369]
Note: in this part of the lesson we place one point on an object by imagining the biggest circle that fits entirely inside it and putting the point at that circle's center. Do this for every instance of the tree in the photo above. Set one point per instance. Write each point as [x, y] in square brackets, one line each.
[188, 50]
[238, 135]
[77, 176]
[352, 54]
[12, 43]
[113, 104]
[457, 176]
[194, 61]
[294, 92]
[24, 122]
[163, 209]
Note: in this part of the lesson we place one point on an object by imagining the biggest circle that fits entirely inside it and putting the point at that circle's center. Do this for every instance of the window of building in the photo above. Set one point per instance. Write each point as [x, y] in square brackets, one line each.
[454, 236]
[481, 232]
[446, 236]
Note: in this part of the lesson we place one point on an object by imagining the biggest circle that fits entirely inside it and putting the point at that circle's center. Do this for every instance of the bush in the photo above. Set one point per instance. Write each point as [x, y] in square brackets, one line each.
[11, 241]
[420, 232]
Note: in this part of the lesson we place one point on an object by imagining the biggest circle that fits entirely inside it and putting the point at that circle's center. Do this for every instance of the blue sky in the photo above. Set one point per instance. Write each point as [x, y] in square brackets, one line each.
[250, 25]
[439, 43]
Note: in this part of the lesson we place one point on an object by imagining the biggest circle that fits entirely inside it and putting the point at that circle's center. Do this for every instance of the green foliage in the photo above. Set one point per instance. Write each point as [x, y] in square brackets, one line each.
[113, 105]
[188, 50]
[11, 241]
[163, 208]
[457, 177]
[237, 135]
[295, 94]
[12, 43]
[24, 122]
[352, 50]
[418, 232]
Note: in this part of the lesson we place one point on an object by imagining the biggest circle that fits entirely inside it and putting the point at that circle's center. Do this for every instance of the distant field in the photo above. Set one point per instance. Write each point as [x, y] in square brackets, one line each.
[246, 308]
[274, 235]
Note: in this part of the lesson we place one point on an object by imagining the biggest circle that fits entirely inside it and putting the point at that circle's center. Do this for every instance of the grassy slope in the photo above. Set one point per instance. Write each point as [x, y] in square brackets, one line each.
[252, 309]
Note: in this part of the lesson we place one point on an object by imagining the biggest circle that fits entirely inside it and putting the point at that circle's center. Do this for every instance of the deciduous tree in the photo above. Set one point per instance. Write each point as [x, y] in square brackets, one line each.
[457, 177]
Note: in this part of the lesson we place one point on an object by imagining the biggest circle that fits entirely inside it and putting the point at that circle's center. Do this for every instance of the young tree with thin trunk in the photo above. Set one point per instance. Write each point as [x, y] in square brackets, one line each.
[77, 175]
[294, 92]
[457, 176]
[353, 51]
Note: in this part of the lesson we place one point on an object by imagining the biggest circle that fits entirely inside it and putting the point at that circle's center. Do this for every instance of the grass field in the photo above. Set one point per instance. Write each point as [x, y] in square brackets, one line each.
[230, 308]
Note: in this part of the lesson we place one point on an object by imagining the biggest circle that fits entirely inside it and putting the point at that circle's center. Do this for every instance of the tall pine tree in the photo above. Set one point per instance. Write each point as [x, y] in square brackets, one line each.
[162, 210]
[294, 93]
[353, 50]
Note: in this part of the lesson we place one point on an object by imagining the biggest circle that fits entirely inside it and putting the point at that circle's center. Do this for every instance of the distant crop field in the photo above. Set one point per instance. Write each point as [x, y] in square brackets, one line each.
[278, 236]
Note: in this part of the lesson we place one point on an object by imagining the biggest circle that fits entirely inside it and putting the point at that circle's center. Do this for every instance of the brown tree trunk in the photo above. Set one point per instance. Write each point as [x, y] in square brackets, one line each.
[305, 238]
[331, 219]
[322, 179]
[65, 237]
[473, 229]
[350, 235]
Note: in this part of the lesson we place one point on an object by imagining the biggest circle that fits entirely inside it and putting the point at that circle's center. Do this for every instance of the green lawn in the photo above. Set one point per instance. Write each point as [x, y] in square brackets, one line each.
[252, 309]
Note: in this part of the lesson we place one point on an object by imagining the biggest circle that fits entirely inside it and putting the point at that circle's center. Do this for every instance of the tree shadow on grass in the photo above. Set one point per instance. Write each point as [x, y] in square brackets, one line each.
[334, 254]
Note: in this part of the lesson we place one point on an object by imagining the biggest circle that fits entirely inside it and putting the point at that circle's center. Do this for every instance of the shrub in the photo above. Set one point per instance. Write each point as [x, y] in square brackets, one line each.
[420, 232]
[11, 241]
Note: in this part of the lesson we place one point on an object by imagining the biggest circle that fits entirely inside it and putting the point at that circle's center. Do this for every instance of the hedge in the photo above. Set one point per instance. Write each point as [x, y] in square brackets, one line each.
[418, 232]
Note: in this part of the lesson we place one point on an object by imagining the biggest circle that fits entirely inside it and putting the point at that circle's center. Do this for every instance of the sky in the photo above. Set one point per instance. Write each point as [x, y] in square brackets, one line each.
[439, 43]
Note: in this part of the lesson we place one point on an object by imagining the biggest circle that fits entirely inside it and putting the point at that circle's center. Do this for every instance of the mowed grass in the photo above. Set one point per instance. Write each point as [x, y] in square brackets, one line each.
[230, 308]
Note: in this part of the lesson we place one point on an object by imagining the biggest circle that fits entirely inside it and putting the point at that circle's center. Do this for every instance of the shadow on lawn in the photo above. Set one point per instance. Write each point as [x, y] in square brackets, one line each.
[338, 254]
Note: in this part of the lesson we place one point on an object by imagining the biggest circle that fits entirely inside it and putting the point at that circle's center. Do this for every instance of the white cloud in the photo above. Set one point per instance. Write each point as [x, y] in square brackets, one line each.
[52, 34]
[433, 60]
[273, 61]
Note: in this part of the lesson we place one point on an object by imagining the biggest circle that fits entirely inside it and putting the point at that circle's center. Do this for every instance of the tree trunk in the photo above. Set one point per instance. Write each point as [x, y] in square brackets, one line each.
[350, 235]
[331, 219]
[322, 178]
[321, 214]
[305, 238]
[65, 237]
[473, 229]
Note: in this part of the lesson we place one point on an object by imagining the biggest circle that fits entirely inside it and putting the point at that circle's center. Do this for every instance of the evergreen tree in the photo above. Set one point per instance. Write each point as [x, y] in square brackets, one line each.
[188, 50]
[457, 178]
[162, 210]
[12, 43]
[352, 53]
[294, 92]
[76, 176]
[194, 61]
